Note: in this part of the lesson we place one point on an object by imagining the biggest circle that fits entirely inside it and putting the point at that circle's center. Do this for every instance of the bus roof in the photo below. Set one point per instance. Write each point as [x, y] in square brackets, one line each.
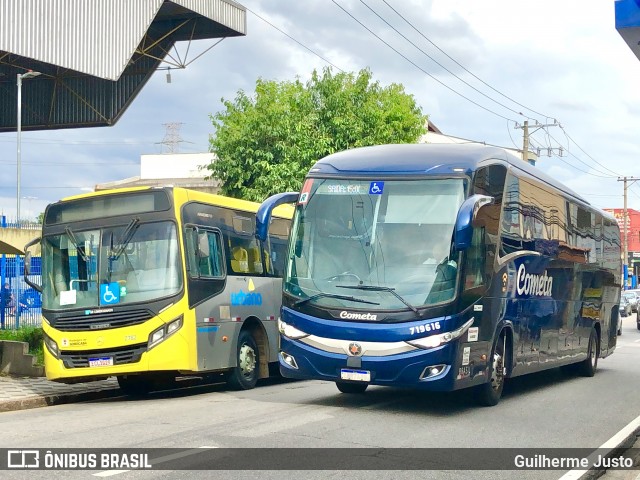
[283, 211]
[427, 159]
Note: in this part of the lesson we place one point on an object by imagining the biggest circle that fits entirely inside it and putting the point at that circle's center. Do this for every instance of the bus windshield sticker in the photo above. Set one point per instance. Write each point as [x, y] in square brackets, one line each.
[306, 191]
[341, 189]
[376, 188]
[477, 308]
[472, 335]
[68, 297]
[109, 293]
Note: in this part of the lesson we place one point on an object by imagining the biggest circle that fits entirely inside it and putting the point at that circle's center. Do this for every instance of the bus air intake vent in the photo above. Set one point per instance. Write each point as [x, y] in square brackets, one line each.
[120, 355]
[101, 321]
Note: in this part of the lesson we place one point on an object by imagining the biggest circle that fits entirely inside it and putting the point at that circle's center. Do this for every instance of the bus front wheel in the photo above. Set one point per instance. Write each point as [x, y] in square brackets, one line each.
[348, 387]
[245, 375]
[488, 394]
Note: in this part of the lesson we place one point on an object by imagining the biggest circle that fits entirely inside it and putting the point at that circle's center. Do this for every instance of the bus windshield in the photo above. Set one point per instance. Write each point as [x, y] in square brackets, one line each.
[130, 263]
[387, 242]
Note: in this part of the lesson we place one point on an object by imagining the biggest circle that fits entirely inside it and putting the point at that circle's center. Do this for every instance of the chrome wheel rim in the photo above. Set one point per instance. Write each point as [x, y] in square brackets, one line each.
[497, 375]
[247, 360]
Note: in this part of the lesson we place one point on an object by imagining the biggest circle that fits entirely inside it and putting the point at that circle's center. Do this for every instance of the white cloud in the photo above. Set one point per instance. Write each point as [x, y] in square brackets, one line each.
[560, 58]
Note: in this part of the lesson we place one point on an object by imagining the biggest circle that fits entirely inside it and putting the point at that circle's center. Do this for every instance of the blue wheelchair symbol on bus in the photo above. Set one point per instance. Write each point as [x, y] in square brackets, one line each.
[376, 188]
[109, 293]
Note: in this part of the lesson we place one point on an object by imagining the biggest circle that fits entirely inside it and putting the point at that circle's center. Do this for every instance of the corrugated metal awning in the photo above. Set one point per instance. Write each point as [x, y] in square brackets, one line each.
[95, 55]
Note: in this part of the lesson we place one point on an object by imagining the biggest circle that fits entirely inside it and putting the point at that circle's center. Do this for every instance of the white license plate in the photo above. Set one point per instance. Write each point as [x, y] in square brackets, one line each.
[101, 362]
[357, 375]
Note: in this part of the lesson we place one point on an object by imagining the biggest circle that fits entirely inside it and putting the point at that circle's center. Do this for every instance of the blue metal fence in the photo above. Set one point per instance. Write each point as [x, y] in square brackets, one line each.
[20, 305]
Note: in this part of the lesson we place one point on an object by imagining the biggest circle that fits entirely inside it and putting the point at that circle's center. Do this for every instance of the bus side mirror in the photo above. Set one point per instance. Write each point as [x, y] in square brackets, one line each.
[463, 232]
[27, 264]
[263, 215]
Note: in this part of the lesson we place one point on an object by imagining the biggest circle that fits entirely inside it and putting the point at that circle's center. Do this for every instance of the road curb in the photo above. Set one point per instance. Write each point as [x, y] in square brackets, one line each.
[38, 401]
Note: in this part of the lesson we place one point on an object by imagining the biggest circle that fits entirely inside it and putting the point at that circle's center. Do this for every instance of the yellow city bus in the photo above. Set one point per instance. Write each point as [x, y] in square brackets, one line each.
[150, 284]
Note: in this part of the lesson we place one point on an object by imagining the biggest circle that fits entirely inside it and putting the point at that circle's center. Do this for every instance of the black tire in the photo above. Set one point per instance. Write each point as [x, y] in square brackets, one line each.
[135, 385]
[638, 325]
[489, 394]
[348, 387]
[587, 368]
[245, 375]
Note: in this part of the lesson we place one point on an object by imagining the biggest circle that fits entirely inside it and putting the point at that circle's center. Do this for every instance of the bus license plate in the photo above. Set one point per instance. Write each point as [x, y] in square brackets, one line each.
[357, 375]
[101, 362]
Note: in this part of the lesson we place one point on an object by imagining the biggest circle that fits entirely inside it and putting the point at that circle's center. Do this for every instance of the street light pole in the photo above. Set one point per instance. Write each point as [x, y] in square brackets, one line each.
[20, 76]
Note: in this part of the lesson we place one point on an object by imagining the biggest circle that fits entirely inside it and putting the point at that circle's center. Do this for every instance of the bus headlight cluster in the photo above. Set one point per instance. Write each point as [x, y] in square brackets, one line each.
[434, 341]
[290, 331]
[52, 346]
[164, 332]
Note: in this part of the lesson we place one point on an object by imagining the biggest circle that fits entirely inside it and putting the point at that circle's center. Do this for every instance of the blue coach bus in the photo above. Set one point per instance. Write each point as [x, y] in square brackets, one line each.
[443, 267]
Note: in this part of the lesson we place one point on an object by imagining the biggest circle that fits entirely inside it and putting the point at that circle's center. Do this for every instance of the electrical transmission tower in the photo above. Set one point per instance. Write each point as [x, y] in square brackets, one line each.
[172, 140]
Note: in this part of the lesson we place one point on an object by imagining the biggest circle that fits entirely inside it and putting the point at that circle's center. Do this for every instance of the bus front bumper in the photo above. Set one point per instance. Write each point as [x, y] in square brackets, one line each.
[73, 366]
[431, 369]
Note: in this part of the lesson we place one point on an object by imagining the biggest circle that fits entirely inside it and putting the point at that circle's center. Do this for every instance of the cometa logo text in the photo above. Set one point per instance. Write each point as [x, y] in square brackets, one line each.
[358, 316]
[533, 284]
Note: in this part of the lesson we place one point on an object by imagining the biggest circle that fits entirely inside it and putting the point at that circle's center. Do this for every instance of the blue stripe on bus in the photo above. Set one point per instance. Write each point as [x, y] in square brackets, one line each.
[212, 328]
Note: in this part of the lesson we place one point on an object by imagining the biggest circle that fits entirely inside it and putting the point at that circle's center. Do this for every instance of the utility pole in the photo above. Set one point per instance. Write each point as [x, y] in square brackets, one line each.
[625, 223]
[526, 134]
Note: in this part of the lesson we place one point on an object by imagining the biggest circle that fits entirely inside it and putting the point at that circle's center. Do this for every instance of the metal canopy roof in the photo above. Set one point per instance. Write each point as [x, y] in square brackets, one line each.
[95, 55]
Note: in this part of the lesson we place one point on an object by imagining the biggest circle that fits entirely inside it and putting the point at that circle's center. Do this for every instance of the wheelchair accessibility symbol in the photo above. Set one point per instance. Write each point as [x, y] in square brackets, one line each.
[376, 188]
[109, 293]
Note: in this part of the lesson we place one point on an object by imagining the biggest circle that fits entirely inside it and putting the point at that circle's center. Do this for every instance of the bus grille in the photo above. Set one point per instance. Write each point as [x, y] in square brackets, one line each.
[120, 355]
[102, 321]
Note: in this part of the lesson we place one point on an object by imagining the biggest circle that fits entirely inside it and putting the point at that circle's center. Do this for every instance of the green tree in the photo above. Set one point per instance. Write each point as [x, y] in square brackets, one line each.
[266, 142]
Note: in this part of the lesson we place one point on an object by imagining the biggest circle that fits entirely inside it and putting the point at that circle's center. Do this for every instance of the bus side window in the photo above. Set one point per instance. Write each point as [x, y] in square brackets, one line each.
[475, 260]
[204, 250]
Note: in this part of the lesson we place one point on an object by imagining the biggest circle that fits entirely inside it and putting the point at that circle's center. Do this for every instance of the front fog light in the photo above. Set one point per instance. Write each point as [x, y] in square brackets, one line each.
[432, 371]
[289, 360]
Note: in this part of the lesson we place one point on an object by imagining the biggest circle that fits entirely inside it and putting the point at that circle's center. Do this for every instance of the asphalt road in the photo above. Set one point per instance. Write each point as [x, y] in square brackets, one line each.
[546, 410]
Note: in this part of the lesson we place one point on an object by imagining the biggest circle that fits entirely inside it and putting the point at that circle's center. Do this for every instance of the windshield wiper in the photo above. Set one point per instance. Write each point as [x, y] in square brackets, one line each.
[126, 238]
[333, 295]
[375, 288]
[74, 240]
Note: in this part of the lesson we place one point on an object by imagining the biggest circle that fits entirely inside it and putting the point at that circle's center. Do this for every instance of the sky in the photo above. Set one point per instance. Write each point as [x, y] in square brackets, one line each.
[504, 62]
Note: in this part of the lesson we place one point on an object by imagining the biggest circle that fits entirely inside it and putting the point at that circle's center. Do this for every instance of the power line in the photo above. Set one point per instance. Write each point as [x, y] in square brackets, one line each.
[576, 144]
[583, 162]
[417, 66]
[297, 41]
[573, 166]
[439, 64]
[462, 66]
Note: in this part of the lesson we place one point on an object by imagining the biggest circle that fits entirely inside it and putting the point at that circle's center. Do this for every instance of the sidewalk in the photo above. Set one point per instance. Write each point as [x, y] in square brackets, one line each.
[20, 393]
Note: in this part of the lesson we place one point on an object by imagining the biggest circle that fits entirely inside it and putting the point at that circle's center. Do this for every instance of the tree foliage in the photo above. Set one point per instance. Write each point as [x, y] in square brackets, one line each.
[266, 142]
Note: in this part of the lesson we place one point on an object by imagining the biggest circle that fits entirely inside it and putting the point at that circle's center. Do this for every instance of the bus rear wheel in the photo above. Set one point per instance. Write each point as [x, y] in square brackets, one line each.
[488, 394]
[587, 368]
[348, 387]
[245, 375]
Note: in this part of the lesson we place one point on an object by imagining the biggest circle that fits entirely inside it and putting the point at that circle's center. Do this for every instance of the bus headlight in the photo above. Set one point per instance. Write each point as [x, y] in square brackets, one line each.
[290, 331]
[52, 346]
[434, 341]
[164, 332]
